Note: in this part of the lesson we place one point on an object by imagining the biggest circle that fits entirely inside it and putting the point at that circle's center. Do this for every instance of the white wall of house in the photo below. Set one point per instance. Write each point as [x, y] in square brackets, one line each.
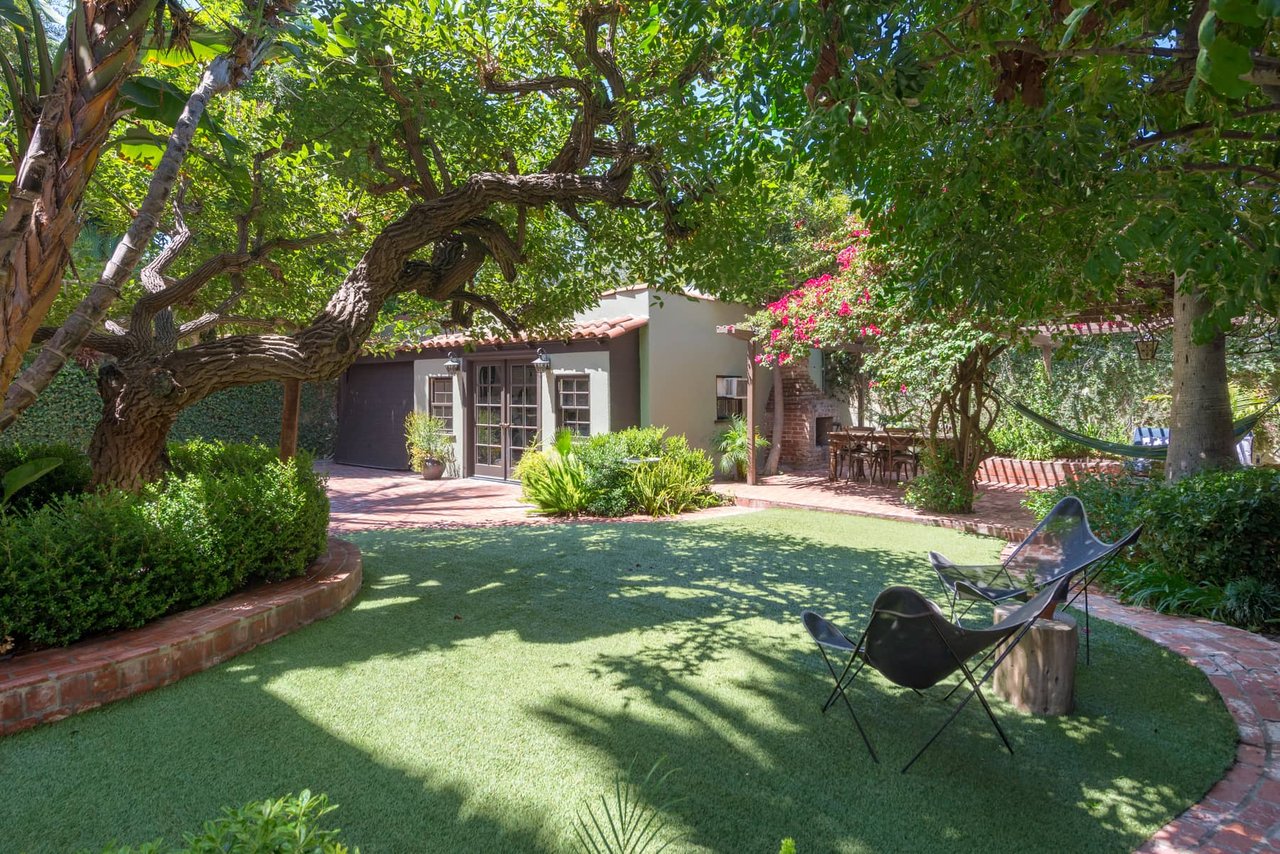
[423, 371]
[596, 368]
[632, 301]
[681, 355]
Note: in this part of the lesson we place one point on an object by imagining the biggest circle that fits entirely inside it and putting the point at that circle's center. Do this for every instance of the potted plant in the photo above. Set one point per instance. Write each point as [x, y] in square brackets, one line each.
[429, 443]
[733, 448]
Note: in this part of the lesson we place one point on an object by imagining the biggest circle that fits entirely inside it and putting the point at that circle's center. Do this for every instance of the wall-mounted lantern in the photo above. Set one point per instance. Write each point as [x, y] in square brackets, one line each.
[452, 364]
[541, 364]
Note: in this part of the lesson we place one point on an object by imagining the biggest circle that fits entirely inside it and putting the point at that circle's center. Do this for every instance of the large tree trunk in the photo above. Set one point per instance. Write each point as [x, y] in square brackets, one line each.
[41, 219]
[139, 406]
[1201, 435]
[959, 427]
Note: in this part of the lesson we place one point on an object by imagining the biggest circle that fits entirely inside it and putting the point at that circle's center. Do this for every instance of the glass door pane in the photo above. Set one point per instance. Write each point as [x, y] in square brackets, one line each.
[490, 442]
[522, 411]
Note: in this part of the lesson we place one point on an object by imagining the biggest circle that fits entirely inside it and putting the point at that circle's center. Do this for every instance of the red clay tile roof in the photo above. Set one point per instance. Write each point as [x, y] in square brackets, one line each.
[589, 330]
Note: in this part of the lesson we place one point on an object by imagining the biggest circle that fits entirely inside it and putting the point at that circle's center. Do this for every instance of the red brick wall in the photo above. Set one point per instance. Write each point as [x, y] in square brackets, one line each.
[1039, 474]
[802, 404]
[52, 684]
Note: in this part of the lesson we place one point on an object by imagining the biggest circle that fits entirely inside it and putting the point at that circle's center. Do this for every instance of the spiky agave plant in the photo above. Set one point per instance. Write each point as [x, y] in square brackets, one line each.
[627, 822]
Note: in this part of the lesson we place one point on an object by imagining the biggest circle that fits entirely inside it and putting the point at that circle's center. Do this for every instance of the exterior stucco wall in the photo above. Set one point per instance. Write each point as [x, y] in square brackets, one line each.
[634, 302]
[681, 356]
[423, 371]
[596, 367]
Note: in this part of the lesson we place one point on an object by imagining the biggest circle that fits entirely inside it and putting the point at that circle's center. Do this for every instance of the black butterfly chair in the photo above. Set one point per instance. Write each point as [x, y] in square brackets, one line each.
[911, 643]
[1061, 546]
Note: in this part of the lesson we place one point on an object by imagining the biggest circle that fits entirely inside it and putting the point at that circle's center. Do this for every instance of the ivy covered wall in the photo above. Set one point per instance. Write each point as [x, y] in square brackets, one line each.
[69, 409]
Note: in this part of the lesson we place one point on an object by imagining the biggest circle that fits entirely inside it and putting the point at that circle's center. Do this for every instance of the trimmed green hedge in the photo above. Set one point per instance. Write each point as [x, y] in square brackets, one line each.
[1210, 543]
[227, 515]
[68, 410]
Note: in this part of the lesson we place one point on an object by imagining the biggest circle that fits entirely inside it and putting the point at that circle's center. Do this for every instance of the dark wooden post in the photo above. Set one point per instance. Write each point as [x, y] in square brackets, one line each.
[751, 412]
[289, 418]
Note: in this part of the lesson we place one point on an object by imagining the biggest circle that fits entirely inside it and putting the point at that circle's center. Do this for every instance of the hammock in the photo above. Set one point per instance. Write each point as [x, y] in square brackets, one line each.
[1242, 428]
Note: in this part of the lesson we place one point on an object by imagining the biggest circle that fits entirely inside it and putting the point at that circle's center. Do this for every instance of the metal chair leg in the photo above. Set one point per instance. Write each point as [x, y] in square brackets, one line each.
[840, 690]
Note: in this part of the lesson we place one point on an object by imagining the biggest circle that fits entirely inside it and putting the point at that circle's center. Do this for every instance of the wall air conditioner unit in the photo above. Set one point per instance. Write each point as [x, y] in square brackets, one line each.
[731, 387]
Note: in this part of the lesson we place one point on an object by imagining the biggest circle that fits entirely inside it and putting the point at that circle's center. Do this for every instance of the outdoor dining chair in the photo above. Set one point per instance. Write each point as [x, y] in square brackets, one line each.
[1062, 546]
[911, 643]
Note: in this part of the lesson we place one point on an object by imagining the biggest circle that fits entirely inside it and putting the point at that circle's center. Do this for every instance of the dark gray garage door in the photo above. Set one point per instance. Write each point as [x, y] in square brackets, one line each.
[374, 401]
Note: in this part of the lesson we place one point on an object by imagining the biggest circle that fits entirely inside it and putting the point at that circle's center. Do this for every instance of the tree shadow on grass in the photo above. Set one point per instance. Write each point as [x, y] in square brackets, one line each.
[604, 645]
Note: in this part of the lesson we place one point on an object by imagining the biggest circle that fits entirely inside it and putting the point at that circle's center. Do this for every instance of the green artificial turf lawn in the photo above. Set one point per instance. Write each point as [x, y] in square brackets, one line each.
[488, 684]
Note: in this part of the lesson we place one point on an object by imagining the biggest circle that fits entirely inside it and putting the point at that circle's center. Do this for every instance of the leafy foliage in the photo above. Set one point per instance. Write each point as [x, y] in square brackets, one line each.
[1208, 546]
[554, 481]
[627, 823]
[1216, 526]
[942, 487]
[228, 515]
[734, 447]
[426, 439]
[1097, 387]
[610, 460]
[1027, 159]
[69, 477]
[288, 825]
[639, 469]
[68, 410]
[676, 483]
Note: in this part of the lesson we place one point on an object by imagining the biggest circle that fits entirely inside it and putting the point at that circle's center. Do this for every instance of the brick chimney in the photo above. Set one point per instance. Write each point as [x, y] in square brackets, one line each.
[803, 405]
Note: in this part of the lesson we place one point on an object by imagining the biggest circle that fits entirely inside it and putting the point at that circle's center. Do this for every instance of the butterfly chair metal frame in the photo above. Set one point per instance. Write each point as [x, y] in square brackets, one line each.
[911, 643]
[1061, 546]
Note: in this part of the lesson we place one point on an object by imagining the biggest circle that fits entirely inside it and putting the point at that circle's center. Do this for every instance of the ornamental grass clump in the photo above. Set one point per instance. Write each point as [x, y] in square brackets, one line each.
[637, 470]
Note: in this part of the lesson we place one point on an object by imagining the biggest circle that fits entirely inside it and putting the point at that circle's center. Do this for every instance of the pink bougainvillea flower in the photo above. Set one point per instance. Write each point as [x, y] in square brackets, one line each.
[902, 389]
[844, 311]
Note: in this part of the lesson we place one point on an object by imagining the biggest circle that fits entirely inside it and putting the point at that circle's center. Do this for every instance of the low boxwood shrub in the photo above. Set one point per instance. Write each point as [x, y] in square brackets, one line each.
[290, 825]
[1210, 543]
[70, 478]
[1113, 502]
[1216, 526]
[89, 563]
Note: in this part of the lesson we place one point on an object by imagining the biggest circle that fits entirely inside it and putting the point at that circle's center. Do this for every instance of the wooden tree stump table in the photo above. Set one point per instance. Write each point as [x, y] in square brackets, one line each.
[1039, 675]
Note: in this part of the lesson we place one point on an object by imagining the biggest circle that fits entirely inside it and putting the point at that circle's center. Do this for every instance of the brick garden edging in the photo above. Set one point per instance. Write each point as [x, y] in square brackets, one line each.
[1242, 811]
[52, 684]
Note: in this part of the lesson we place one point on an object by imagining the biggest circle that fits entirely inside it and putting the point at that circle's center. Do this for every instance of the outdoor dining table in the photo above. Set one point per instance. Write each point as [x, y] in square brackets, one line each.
[874, 440]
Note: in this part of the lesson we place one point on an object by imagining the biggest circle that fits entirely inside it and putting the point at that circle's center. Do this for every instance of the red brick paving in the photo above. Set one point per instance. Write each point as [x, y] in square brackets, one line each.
[51, 684]
[363, 499]
[1242, 811]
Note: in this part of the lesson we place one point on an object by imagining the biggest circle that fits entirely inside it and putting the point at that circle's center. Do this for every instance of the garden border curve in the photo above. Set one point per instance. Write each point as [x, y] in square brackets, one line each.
[51, 684]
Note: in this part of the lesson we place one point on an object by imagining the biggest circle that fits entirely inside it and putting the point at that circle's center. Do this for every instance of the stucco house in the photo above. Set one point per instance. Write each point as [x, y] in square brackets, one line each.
[638, 358]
